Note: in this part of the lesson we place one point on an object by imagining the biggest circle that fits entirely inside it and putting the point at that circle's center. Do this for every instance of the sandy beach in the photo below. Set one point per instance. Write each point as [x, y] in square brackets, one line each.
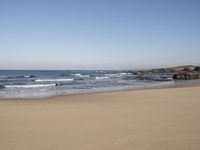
[157, 119]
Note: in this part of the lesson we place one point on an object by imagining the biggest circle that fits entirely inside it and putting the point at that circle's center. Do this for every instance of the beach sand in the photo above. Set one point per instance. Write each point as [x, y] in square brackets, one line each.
[157, 119]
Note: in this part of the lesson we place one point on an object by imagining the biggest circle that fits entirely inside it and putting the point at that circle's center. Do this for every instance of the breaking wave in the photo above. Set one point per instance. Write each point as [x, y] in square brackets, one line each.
[101, 78]
[53, 80]
[31, 86]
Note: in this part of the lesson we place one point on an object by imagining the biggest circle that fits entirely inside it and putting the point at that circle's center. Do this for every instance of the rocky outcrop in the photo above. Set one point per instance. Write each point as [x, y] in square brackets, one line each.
[188, 72]
[186, 76]
[188, 68]
[143, 76]
[197, 69]
[2, 86]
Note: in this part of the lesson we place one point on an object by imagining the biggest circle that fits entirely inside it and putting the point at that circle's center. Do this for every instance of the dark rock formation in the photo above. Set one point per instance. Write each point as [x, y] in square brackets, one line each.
[186, 76]
[143, 76]
[197, 68]
[188, 72]
[188, 68]
[2, 86]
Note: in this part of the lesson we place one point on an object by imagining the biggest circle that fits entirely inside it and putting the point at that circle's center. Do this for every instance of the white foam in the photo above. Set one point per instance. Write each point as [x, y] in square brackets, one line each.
[111, 75]
[122, 74]
[27, 76]
[101, 78]
[30, 86]
[81, 76]
[77, 74]
[53, 80]
[125, 74]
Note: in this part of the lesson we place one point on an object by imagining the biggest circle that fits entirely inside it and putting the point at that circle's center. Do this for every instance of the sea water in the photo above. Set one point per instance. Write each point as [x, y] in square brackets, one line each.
[38, 84]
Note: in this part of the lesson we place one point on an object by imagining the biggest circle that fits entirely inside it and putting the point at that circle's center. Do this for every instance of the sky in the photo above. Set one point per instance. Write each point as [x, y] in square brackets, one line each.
[99, 34]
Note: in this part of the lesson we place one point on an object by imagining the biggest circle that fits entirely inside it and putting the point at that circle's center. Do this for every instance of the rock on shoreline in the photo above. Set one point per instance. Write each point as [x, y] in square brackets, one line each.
[2, 86]
[186, 76]
[188, 72]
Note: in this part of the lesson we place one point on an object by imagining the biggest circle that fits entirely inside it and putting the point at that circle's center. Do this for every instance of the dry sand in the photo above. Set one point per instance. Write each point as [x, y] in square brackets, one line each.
[165, 119]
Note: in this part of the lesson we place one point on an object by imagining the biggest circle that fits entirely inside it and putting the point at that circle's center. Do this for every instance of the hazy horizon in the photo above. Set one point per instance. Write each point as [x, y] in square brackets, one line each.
[97, 35]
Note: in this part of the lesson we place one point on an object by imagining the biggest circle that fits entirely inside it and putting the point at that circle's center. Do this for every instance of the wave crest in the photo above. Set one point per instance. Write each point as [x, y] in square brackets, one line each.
[101, 78]
[53, 80]
[30, 86]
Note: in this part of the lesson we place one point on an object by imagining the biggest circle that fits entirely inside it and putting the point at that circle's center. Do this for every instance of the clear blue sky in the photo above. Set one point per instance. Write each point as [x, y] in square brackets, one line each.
[99, 34]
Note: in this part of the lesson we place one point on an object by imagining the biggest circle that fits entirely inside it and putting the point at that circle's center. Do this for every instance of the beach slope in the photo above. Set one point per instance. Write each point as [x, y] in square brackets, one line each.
[159, 119]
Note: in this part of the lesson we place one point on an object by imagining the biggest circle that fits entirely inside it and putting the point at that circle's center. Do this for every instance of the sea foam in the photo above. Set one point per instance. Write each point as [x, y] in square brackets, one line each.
[53, 80]
[30, 86]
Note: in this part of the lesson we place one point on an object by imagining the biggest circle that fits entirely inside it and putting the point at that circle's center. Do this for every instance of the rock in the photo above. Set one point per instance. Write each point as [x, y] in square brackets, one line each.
[188, 72]
[179, 77]
[186, 76]
[2, 86]
[188, 68]
[197, 68]
[143, 76]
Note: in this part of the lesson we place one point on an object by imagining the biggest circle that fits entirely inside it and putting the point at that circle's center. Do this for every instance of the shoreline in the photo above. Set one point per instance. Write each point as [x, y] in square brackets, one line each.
[183, 84]
[42, 84]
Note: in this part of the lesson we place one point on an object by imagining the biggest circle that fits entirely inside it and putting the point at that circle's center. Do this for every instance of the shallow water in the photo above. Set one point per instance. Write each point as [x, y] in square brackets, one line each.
[38, 84]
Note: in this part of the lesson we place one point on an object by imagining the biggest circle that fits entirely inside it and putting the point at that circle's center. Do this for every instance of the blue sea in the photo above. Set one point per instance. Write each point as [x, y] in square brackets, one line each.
[39, 84]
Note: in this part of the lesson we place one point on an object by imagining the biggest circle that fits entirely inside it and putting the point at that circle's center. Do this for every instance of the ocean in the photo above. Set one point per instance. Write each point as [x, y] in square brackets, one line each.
[39, 84]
